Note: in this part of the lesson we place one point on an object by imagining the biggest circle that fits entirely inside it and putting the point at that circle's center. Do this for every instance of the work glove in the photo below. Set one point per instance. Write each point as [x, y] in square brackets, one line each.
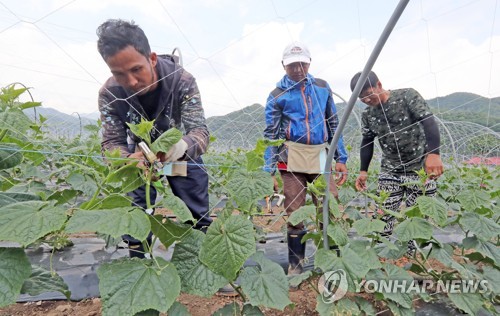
[176, 152]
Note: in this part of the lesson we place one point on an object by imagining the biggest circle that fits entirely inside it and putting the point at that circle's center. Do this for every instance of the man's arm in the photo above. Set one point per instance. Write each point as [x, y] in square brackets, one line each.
[421, 113]
[193, 118]
[366, 154]
[433, 164]
[333, 123]
[114, 134]
[273, 115]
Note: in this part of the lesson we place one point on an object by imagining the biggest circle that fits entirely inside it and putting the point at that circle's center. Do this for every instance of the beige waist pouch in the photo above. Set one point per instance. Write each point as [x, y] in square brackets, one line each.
[304, 158]
[177, 168]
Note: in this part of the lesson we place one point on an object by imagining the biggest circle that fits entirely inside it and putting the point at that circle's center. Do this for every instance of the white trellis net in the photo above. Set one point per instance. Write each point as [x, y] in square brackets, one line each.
[234, 51]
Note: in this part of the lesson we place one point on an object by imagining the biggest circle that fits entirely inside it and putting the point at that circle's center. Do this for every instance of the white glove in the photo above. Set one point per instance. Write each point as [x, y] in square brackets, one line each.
[176, 151]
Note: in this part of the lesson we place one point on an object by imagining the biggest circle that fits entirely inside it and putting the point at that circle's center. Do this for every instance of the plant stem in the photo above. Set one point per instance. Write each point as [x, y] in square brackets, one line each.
[238, 290]
[3, 133]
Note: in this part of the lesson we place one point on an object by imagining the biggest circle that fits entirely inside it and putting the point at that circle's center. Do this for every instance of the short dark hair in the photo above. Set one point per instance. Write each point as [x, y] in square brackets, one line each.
[115, 35]
[371, 81]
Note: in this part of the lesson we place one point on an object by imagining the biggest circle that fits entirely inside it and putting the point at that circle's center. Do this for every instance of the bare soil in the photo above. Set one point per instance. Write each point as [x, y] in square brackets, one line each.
[304, 300]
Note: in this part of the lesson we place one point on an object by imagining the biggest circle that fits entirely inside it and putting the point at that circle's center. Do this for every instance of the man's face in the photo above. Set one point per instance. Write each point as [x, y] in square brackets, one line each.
[371, 96]
[297, 71]
[134, 71]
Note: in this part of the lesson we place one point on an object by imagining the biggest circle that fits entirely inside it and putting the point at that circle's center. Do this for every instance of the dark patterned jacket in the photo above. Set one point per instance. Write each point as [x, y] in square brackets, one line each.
[179, 106]
[396, 123]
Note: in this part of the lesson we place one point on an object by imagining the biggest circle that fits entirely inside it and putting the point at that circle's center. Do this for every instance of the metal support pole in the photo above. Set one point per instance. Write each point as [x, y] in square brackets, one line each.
[364, 74]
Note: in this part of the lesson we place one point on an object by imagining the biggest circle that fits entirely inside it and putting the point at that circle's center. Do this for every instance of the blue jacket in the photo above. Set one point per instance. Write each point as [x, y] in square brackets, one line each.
[302, 113]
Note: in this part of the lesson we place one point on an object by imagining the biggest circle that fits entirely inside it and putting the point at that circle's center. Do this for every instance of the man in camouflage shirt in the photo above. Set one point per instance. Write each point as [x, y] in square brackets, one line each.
[409, 139]
[153, 87]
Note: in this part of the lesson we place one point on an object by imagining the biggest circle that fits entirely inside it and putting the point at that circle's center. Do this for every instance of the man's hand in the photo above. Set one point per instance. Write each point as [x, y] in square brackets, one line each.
[341, 176]
[361, 181]
[175, 153]
[139, 156]
[433, 166]
[276, 185]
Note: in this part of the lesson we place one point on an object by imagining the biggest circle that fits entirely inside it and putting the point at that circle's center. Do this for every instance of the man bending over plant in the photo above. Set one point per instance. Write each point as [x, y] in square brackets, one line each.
[147, 86]
[409, 139]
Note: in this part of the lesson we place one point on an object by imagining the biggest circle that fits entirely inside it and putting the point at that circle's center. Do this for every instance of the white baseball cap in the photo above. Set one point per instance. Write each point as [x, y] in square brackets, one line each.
[296, 52]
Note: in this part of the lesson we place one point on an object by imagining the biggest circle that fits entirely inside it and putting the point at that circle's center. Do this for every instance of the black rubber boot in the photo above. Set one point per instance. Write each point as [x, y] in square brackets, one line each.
[136, 249]
[296, 252]
[336, 248]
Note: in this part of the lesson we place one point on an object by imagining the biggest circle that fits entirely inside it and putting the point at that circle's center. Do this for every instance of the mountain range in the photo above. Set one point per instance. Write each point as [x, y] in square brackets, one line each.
[242, 128]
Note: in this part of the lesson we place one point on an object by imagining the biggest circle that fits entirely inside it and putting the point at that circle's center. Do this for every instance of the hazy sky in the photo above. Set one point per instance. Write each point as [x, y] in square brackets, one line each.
[234, 48]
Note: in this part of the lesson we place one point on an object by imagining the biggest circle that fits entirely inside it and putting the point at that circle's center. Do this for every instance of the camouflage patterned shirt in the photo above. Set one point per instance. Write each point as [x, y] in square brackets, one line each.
[396, 124]
[179, 106]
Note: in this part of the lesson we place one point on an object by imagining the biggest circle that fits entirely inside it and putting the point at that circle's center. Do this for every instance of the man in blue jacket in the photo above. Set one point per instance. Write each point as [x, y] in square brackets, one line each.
[301, 111]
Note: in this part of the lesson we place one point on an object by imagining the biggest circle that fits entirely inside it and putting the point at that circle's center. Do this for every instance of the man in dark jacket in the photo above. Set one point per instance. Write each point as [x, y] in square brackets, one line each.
[145, 85]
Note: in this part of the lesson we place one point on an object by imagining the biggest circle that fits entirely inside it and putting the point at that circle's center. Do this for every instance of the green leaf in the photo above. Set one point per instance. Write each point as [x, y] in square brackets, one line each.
[10, 156]
[254, 161]
[42, 281]
[231, 309]
[333, 206]
[296, 280]
[6, 200]
[265, 284]
[82, 183]
[25, 222]
[128, 176]
[246, 188]
[483, 227]
[344, 306]
[492, 275]
[167, 230]
[390, 250]
[366, 306]
[149, 312]
[227, 245]
[387, 275]
[63, 196]
[445, 255]
[15, 121]
[142, 130]
[180, 209]
[306, 212]
[364, 250]
[413, 228]
[472, 199]
[114, 222]
[178, 309]
[196, 278]
[21, 197]
[367, 226]
[486, 248]
[10, 93]
[109, 201]
[398, 310]
[249, 310]
[324, 258]
[130, 286]
[433, 208]
[337, 233]
[471, 303]
[29, 105]
[15, 269]
[166, 140]
[351, 262]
